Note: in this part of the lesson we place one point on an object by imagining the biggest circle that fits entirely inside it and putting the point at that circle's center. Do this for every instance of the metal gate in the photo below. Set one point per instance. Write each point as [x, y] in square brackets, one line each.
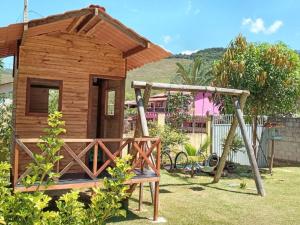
[220, 127]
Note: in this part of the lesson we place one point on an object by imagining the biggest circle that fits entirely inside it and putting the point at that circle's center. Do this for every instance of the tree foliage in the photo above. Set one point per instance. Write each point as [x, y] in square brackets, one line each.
[6, 129]
[194, 73]
[50, 144]
[169, 136]
[269, 71]
[178, 109]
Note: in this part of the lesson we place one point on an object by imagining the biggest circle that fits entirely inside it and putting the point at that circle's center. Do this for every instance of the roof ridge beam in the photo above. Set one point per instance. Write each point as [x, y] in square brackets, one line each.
[55, 18]
[131, 34]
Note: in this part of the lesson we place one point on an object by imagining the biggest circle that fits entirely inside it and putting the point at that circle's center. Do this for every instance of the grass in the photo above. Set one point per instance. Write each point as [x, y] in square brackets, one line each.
[184, 200]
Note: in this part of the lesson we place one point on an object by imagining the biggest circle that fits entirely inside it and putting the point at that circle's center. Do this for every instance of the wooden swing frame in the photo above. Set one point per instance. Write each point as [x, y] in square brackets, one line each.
[239, 101]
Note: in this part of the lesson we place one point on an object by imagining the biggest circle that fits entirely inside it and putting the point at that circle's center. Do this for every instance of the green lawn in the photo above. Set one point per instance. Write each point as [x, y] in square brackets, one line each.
[195, 201]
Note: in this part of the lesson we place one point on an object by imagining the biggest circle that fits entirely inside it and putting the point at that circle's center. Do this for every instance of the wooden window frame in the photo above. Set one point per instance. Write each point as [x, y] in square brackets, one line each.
[30, 81]
[106, 103]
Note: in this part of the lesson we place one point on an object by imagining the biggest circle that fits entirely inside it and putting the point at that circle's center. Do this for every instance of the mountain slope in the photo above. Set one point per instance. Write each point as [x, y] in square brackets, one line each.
[162, 71]
[165, 70]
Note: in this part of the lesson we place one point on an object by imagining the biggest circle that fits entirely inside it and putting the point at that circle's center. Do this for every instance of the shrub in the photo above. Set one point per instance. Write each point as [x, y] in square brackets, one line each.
[30, 208]
[169, 136]
[6, 130]
[50, 144]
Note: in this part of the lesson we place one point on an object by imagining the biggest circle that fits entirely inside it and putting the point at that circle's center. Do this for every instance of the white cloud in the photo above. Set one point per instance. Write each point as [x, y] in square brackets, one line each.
[189, 52]
[275, 26]
[167, 39]
[258, 26]
[189, 7]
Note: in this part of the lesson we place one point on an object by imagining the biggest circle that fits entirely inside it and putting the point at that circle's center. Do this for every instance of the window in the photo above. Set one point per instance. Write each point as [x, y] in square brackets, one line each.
[110, 102]
[43, 96]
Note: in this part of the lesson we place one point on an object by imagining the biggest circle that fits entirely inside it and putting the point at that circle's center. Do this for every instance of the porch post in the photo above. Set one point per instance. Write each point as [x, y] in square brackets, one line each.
[143, 120]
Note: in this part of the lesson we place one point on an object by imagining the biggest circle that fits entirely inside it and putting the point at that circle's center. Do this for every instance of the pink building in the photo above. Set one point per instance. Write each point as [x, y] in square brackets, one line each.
[158, 103]
[204, 106]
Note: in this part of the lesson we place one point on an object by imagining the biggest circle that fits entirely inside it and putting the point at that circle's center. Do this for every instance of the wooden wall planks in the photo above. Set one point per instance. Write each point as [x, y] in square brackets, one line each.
[72, 59]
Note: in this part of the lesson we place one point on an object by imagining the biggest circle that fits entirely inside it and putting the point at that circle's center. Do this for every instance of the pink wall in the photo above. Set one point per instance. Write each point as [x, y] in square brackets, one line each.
[203, 106]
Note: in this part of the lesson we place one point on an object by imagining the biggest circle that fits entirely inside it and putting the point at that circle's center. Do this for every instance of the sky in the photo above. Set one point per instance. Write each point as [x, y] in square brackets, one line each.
[184, 26]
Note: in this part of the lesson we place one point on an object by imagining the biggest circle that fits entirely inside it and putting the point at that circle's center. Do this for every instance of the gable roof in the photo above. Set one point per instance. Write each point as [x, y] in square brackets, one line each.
[92, 22]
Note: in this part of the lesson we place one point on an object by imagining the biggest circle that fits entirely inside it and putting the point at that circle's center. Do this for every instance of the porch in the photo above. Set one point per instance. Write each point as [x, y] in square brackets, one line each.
[94, 170]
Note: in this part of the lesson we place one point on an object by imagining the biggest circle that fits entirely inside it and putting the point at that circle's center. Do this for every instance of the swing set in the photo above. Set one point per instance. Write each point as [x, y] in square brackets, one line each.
[239, 98]
[204, 163]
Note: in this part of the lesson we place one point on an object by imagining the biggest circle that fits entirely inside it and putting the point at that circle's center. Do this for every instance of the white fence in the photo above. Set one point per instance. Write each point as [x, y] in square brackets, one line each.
[220, 127]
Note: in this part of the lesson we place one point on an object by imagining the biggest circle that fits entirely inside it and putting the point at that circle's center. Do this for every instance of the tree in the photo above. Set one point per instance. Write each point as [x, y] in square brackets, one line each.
[178, 108]
[169, 136]
[269, 71]
[194, 74]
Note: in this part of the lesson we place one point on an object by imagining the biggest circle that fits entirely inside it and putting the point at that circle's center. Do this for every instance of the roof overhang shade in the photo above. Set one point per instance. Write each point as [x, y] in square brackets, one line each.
[91, 22]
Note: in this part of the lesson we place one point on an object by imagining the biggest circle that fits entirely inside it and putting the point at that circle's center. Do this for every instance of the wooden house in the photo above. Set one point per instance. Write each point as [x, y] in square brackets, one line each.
[82, 57]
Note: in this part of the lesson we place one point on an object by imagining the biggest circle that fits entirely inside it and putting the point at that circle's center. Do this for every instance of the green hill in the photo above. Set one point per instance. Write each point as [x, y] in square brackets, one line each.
[162, 71]
[165, 70]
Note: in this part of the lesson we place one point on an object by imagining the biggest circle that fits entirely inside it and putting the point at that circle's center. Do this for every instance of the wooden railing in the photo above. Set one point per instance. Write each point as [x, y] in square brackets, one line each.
[141, 149]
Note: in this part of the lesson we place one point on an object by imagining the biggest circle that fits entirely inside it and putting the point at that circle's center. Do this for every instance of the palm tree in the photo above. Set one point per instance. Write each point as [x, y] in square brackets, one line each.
[194, 74]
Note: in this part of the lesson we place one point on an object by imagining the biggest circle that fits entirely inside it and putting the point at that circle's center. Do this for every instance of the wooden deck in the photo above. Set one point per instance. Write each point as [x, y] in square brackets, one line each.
[82, 183]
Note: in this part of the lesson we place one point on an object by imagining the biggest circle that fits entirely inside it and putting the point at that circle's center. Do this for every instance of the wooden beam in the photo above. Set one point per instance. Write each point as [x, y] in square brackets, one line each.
[141, 112]
[72, 27]
[88, 25]
[92, 30]
[190, 88]
[250, 150]
[156, 201]
[131, 34]
[55, 18]
[228, 142]
[135, 50]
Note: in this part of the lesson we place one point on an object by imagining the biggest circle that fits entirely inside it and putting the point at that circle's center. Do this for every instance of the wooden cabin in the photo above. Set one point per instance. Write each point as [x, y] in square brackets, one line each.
[82, 58]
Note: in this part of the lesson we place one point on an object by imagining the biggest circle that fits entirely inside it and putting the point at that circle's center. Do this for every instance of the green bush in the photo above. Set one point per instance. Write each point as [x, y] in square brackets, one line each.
[30, 208]
[42, 167]
[169, 136]
[6, 130]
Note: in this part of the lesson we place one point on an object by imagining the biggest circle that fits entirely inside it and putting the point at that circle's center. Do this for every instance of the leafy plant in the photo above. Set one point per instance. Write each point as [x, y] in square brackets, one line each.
[243, 185]
[194, 73]
[236, 146]
[6, 130]
[31, 208]
[53, 101]
[71, 211]
[50, 144]
[193, 157]
[107, 203]
[178, 109]
[169, 136]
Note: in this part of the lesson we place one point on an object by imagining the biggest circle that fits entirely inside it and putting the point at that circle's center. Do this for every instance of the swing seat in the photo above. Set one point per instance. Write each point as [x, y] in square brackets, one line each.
[207, 169]
[210, 164]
